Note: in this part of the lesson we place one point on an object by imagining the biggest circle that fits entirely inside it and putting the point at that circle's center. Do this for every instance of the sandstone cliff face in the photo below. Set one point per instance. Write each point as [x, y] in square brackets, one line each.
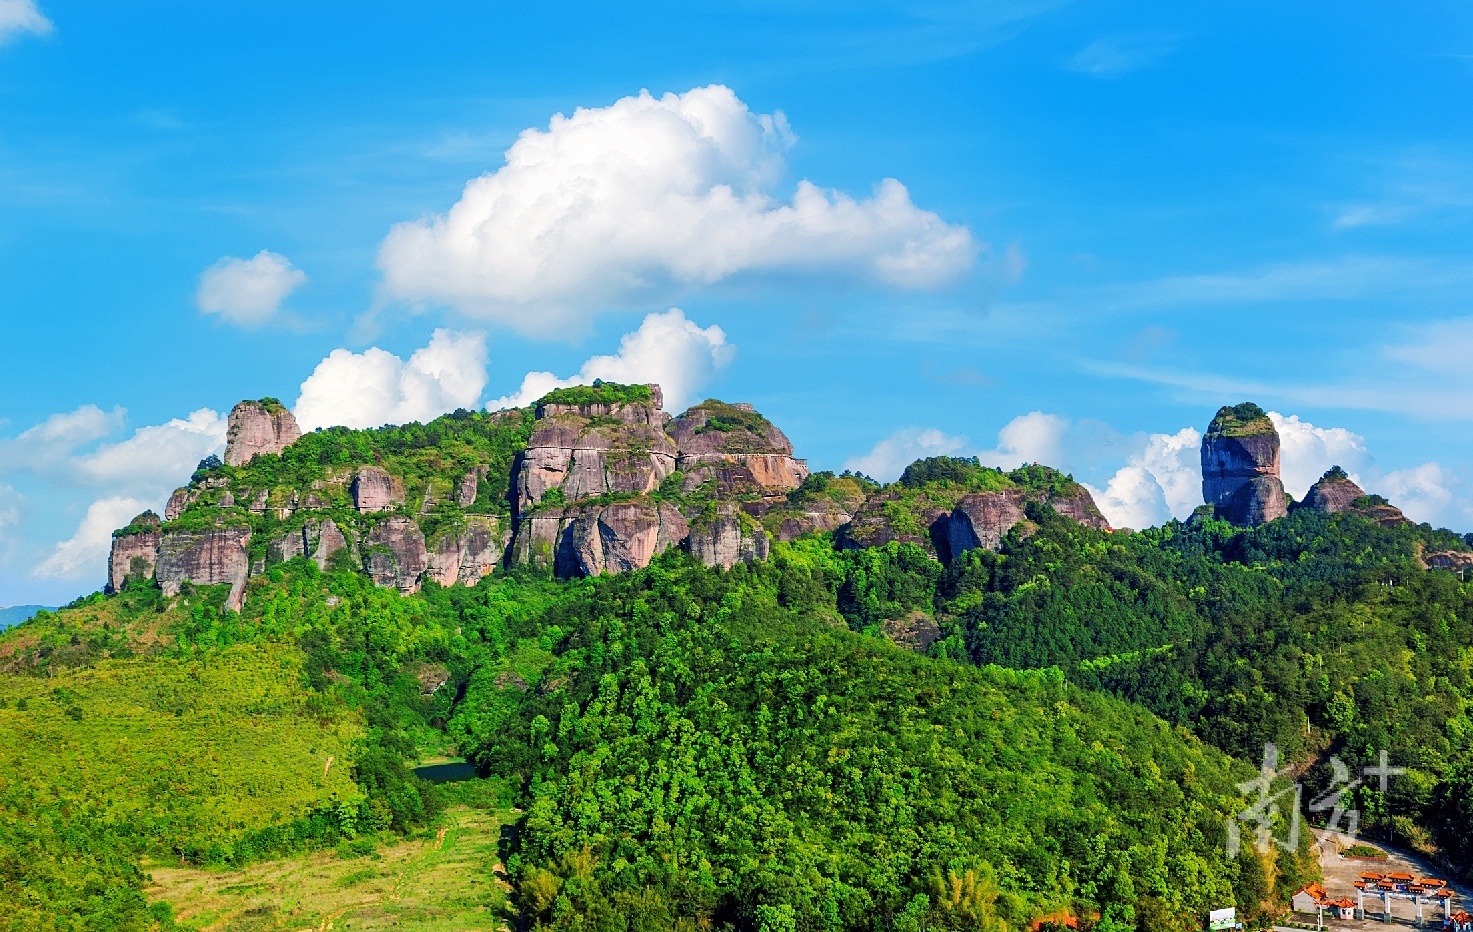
[737, 448]
[1334, 493]
[589, 450]
[375, 490]
[883, 518]
[812, 517]
[1240, 466]
[134, 556]
[1079, 506]
[1257, 501]
[395, 554]
[621, 537]
[1456, 561]
[321, 538]
[205, 558]
[257, 428]
[726, 540]
[482, 544]
[983, 520]
[442, 559]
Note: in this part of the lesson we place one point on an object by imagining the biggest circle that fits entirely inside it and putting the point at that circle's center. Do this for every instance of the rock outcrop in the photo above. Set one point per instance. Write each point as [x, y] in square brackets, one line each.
[583, 451]
[374, 490]
[885, 517]
[321, 538]
[736, 449]
[395, 554]
[1335, 493]
[941, 514]
[621, 537]
[482, 544]
[257, 428]
[206, 558]
[1240, 466]
[135, 555]
[728, 537]
[983, 520]
[1455, 561]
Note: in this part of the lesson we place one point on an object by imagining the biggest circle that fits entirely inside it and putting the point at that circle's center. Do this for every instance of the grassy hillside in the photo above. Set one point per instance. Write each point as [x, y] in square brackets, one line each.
[16, 614]
[448, 881]
[738, 749]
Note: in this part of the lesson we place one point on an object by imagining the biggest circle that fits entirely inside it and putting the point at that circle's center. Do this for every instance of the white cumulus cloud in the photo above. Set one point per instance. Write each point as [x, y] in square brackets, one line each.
[375, 387]
[623, 203]
[1426, 493]
[1307, 451]
[156, 456]
[1034, 437]
[1160, 482]
[21, 16]
[667, 349]
[85, 552]
[888, 458]
[248, 291]
[1133, 499]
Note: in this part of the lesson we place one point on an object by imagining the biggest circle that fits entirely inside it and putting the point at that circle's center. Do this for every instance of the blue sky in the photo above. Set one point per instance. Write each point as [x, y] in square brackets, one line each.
[1114, 218]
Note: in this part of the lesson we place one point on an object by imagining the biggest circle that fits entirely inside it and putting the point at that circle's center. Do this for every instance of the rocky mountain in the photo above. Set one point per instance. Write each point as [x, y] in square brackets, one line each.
[601, 479]
[1240, 466]
[590, 480]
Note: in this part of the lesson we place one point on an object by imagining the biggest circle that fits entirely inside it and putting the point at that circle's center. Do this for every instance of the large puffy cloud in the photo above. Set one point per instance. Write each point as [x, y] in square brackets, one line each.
[153, 459]
[1161, 481]
[1307, 451]
[621, 203]
[888, 458]
[1133, 499]
[1427, 493]
[86, 550]
[21, 16]
[1034, 437]
[248, 291]
[157, 455]
[667, 348]
[375, 387]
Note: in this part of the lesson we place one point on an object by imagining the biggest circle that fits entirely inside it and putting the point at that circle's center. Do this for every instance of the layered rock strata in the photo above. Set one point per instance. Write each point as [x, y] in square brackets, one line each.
[375, 490]
[206, 558]
[584, 451]
[736, 449]
[728, 537]
[395, 554]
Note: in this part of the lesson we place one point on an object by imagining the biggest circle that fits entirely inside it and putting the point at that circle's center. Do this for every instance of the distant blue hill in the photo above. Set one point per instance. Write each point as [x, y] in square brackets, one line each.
[10, 617]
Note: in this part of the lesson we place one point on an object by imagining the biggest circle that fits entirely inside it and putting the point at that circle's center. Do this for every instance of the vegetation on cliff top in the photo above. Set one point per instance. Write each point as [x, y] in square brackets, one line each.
[599, 393]
[1242, 420]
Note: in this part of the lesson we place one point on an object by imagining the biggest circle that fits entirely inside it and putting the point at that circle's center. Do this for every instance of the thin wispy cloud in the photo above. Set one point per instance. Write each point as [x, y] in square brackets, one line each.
[21, 17]
[1344, 278]
[1417, 188]
[1113, 56]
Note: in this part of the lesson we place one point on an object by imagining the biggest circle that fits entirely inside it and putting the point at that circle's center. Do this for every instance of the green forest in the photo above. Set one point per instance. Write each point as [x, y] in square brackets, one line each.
[685, 747]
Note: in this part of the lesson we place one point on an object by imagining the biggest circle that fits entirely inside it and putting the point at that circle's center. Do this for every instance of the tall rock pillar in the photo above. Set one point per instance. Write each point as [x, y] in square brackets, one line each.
[259, 427]
[1240, 466]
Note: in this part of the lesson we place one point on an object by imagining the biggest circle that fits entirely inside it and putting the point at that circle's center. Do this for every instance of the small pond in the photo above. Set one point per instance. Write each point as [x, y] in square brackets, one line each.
[452, 772]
